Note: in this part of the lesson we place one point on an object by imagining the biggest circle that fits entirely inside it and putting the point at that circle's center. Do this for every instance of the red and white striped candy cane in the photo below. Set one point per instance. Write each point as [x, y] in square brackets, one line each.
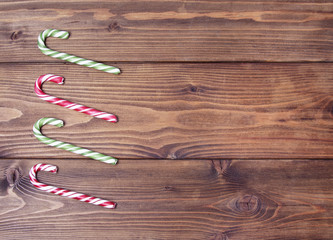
[63, 192]
[67, 104]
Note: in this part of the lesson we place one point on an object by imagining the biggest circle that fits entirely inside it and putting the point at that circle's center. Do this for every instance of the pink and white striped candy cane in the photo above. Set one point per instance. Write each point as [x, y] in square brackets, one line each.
[67, 104]
[63, 192]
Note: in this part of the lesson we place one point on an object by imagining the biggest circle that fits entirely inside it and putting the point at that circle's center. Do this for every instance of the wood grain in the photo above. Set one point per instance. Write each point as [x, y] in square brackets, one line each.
[279, 31]
[287, 199]
[175, 111]
[238, 92]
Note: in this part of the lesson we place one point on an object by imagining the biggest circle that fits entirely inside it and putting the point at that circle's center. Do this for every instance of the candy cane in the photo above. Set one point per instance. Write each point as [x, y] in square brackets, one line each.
[65, 56]
[67, 104]
[61, 191]
[67, 146]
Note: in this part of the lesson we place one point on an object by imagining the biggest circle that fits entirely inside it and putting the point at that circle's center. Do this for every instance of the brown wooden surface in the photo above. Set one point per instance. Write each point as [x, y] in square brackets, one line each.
[225, 119]
[166, 199]
[175, 111]
[171, 30]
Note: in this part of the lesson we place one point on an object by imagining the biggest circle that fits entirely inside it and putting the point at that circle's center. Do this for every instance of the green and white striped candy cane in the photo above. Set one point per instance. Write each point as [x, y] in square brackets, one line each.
[67, 146]
[65, 56]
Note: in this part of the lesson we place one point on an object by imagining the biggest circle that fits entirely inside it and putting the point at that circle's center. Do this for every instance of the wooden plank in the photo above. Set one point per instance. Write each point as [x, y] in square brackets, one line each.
[175, 111]
[240, 199]
[170, 30]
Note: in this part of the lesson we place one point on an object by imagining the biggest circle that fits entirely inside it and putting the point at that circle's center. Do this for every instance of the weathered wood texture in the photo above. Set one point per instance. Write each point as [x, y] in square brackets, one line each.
[171, 30]
[181, 95]
[175, 111]
[242, 199]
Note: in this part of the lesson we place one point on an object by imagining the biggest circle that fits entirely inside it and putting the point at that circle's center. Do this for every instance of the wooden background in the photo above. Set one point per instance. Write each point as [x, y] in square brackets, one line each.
[225, 119]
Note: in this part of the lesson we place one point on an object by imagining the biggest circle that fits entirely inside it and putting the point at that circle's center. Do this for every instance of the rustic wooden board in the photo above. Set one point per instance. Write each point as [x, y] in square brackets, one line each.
[170, 30]
[196, 87]
[171, 200]
[175, 111]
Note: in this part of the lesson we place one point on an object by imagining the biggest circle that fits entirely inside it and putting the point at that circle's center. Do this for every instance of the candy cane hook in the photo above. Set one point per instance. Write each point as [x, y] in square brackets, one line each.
[61, 191]
[67, 146]
[65, 56]
[67, 104]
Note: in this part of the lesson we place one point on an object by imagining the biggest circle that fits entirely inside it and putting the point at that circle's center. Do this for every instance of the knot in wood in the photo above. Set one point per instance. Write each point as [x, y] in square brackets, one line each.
[113, 27]
[194, 89]
[248, 204]
[221, 167]
[13, 176]
[15, 35]
[168, 188]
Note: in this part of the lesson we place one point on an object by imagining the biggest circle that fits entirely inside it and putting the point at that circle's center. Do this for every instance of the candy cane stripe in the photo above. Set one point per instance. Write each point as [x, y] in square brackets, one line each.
[55, 143]
[64, 192]
[67, 146]
[65, 56]
[67, 104]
